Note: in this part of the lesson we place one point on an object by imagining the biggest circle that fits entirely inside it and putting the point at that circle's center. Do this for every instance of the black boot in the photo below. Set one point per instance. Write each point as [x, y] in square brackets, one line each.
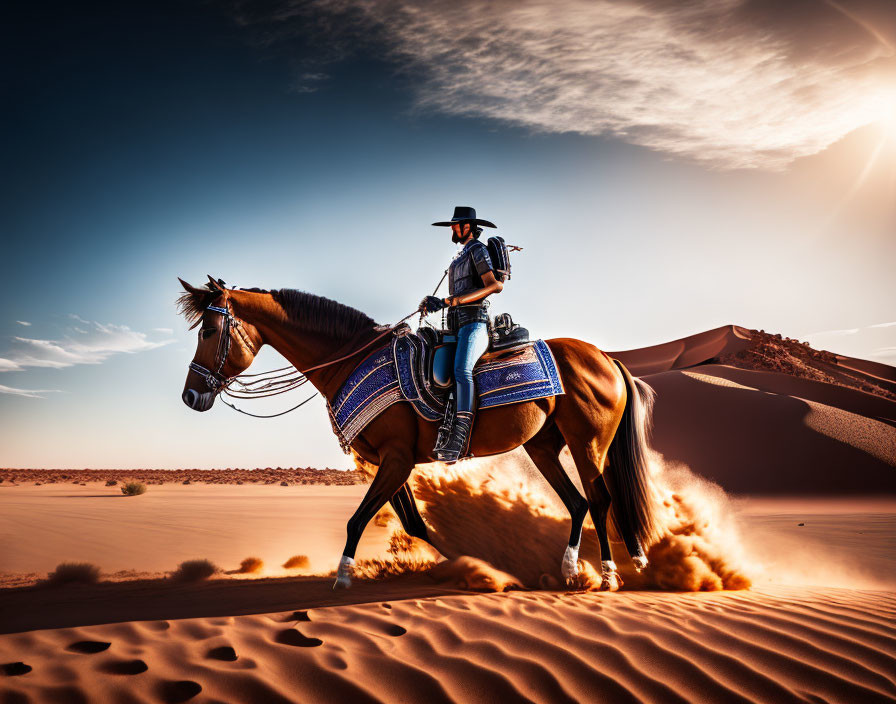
[445, 428]
[456, 447]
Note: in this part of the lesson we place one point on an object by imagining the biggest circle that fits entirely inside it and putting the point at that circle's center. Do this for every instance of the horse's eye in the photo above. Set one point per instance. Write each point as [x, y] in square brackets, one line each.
[206, 333]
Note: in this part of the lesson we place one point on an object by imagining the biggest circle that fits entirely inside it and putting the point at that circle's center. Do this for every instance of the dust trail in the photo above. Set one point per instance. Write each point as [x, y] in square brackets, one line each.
[502, 512]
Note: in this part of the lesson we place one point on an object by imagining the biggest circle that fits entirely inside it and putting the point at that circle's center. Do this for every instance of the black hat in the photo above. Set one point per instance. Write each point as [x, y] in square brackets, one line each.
[464, 213]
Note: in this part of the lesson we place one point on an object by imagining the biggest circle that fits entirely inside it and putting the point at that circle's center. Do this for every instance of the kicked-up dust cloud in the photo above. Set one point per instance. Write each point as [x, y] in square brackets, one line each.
[501, 512]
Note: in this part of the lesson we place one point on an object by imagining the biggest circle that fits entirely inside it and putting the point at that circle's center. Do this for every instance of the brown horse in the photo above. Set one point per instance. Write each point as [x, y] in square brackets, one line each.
[603, 417]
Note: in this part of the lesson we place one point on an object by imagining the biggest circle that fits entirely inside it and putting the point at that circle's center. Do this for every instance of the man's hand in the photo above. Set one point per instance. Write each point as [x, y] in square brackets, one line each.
[431, 304]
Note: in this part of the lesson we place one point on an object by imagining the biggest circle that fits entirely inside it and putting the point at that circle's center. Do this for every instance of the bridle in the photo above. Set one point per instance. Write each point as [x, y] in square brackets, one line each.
[214, 379]
[270, 383]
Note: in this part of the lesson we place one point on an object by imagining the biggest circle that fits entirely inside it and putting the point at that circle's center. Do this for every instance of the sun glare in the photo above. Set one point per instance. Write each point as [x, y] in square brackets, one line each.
[888, 114]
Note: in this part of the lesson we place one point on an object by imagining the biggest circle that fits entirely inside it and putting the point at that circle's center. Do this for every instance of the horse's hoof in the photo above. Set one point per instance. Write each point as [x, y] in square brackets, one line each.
[640, 562]
[344, 573]
[610, 579]
[569, 567]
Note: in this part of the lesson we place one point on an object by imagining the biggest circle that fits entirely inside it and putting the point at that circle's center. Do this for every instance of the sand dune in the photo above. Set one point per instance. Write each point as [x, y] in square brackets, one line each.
[770, 645]
[761, 414]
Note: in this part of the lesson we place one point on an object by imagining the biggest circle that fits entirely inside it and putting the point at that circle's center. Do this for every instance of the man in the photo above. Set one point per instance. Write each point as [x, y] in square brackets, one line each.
[471, 279]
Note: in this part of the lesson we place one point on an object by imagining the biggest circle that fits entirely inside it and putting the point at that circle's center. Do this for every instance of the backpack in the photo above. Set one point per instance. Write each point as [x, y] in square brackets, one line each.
[497, 250]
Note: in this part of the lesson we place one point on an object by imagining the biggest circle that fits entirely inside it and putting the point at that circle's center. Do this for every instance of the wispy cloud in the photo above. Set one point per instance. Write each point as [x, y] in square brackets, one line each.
[24, 322]
[883, 325]
[93, 345]
[736, 83]
[164, 331]
[835, 333]
[27, 393]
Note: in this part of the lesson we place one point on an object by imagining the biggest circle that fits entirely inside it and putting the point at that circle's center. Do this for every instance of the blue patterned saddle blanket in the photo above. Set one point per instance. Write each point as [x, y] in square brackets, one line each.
[401, 371]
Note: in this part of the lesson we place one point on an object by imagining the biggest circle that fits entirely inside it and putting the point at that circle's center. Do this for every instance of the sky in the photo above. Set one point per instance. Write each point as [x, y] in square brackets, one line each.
[667, 168]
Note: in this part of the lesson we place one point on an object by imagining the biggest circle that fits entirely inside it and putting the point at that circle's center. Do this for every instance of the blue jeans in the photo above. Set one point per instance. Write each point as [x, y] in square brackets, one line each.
[472, 342]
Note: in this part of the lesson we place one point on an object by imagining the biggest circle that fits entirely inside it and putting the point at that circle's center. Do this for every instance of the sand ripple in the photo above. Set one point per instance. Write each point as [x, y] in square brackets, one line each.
[778, 644]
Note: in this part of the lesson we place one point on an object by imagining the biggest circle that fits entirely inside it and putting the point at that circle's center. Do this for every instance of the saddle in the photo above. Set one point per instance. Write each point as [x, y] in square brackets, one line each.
[439, 347]
[514, 368]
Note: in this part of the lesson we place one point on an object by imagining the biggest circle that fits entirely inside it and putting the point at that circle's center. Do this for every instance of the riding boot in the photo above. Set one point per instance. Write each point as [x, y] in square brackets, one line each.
[456, 447]
[445, 428]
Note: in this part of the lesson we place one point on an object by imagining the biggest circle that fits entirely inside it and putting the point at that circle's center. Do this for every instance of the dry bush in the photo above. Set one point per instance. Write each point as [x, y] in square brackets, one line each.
[284, 483]
[297, 562]
[195, 570]
[111, 482]
[74, 573]
[133, 488]
[250, 565]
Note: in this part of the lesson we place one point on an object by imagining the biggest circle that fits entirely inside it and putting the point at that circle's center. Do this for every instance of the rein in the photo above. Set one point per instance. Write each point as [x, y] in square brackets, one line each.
[265, 384]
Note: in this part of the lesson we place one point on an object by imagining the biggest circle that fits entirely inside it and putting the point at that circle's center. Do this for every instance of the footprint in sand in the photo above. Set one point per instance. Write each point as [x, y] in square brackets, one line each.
[125, 667]
[395, 630]
[174, 692]
[224, 652]
[14, 669]
[292, 637]
[89, 647]
[298, 616]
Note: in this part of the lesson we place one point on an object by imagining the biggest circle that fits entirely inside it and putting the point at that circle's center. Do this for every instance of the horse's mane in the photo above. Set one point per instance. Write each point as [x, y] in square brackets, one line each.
[309, 312]
[312, 313]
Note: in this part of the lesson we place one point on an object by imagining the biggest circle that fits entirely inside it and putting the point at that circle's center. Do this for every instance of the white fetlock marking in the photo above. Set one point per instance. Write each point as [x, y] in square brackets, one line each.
[569, 568]
[344, 573]
[640, 562]
[607, 566]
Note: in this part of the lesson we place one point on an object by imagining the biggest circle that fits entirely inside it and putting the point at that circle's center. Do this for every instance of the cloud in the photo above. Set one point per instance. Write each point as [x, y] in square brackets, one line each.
[25, 392]
[93, 346]
[164, 331]
[835, 333]
[734, 83]
[24, 322]
[883, 325]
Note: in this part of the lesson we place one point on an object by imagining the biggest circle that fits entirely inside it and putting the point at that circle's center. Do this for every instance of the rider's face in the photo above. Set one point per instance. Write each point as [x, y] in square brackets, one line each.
[460, 231]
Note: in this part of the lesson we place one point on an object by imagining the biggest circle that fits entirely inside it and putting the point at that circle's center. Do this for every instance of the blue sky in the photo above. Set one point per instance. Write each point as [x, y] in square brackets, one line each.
[655, 195]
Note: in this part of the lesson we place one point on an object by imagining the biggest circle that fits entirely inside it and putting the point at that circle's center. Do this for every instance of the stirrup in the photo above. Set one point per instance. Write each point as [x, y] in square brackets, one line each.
[456, 447]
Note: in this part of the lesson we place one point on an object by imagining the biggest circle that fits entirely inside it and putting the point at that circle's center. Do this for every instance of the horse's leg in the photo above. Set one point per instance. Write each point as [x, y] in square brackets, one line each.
[544, 449]
[590, 461]
[393, 472]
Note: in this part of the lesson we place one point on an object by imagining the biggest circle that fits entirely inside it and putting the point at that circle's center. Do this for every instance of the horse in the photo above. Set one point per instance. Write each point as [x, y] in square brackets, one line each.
[603, 416]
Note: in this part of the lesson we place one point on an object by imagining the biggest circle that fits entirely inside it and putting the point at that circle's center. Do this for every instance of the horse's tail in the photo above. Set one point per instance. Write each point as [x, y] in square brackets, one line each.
[633, 497]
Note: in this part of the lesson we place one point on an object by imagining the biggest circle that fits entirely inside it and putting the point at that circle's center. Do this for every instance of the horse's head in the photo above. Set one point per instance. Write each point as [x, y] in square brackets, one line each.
[226, 346]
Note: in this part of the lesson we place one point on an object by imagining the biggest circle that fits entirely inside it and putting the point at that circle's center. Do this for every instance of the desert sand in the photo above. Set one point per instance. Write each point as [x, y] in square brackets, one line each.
[775, 579]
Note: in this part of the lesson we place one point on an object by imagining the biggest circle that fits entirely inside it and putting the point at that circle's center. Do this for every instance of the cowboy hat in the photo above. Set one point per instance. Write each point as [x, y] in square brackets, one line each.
[464, 213]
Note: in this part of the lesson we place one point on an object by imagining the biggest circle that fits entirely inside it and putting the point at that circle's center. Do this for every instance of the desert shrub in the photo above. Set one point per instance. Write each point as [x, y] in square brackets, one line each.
[296, 562]
[111, 482]
[195, 570]
[74, 573]
[284, 483]
[251, 564]
[186, 481]
[133, 488]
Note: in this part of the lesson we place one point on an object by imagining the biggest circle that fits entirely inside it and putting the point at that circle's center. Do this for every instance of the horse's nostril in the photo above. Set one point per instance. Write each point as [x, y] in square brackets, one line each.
[190, 398]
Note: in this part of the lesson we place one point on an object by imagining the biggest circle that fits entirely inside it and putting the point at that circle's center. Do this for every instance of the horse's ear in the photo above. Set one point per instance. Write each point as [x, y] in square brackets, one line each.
[188, 288]
[215, 283]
